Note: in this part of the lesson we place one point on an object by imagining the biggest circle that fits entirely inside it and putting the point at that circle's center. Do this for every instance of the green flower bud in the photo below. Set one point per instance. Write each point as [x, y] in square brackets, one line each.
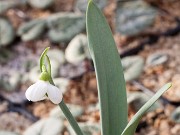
[44, 76]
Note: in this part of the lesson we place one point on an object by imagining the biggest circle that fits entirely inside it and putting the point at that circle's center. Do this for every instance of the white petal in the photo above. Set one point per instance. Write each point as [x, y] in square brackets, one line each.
[54, 94]
[29, 92]
[37, 91]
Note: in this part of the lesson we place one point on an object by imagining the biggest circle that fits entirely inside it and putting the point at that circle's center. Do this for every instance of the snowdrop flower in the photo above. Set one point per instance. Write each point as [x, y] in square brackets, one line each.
[42, 89]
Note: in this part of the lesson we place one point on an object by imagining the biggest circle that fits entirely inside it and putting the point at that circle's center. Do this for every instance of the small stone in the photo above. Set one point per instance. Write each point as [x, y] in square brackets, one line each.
[41, 4]
[34, 33]
[133, 66]
[25, 27]
[10, 81]
[76, 111]
[133, 17]
[7, 133]
[32, 30]
[77, 49]
[6, 31]
[34, 74]
[175, 116]
[62, 83]
[55, 65]
[64, 26]
[48, 126]
[56, 55]
[156, 59]
[7, 4]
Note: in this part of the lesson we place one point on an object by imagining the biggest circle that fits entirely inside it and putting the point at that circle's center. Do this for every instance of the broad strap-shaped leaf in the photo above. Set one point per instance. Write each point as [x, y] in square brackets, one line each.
[109, 72]
[132, 125]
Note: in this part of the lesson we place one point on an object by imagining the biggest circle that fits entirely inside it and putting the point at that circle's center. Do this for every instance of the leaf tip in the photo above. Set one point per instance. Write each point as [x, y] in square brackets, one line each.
[169, 84]
[90, 3]
[47, 48]
[45, 51]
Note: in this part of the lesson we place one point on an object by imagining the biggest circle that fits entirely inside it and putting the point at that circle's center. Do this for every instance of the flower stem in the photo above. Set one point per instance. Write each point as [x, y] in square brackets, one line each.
[70, 118]
[68, 114]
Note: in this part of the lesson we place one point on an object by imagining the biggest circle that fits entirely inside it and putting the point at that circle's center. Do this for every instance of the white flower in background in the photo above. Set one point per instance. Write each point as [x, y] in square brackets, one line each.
[42, 90]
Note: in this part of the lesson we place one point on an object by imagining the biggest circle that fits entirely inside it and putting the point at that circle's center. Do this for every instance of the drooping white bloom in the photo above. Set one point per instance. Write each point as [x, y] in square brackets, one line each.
[43, 89]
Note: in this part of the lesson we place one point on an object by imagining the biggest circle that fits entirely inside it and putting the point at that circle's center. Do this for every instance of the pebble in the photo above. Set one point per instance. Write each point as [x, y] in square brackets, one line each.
[47, 126]
[133, 67]
[41, 4]
[7, 133]
[62, 83]
[130, 23]
[77, 50]
[156, 59]
[56, 55]
[175, 115]
[10, 81]
[6, 31]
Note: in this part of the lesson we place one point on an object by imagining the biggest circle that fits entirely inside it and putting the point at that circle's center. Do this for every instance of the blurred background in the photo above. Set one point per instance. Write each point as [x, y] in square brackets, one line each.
[147, 35]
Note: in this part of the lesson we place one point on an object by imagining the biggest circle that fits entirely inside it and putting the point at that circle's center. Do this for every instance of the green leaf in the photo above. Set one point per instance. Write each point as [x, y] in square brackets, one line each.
[48, 65]
[109, 72]
[132, 125]
[42, 58]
